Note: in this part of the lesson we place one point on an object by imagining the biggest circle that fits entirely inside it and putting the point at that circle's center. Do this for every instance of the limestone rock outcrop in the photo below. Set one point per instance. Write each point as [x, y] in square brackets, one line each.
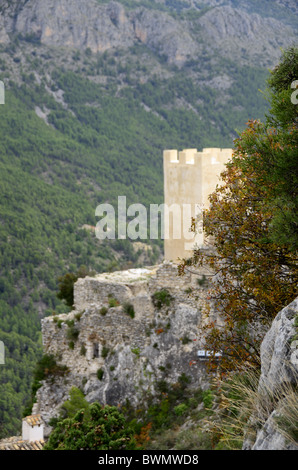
[129, 331]
[278, 383]
[226, 29]
[100, 27]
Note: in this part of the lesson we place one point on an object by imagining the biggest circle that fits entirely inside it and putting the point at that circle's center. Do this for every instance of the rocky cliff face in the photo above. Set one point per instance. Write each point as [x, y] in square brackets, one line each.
[129, 331]
[101, 26]
[237, 31]
[278, 385]
[81, 25]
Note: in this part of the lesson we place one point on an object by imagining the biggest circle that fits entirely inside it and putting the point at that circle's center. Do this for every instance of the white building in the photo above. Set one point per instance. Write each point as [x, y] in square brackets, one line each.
[32, 428]
[32, 436]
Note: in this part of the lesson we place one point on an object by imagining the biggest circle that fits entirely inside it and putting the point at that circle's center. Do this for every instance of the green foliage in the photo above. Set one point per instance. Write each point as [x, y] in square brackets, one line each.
[66, 288]
[162, 298]
[66, 285]
[252, 221]
[104, 352]
[103, 311]
[47, 367]
[161, 412]
[42, 236]
[185, 340]
[202, 281]
[272, 150]
[129, 309]
[283, 111]
[208, 398]
[72, 332]
[164, 415]
[21, 354]
[136, 351]
[75, 402]
[94, 427]
[181, 409]
[100, 373]
[113, 302]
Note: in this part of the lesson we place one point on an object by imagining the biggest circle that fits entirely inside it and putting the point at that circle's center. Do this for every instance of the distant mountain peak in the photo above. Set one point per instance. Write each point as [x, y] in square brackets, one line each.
[103, 26]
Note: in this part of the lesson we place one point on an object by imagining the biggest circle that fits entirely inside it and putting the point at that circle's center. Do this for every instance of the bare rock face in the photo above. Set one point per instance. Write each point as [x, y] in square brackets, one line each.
[116, 357]
[75, 24]
[162, 33]
[231, 32]
[279, 360]
[81, 25]
[279, 379]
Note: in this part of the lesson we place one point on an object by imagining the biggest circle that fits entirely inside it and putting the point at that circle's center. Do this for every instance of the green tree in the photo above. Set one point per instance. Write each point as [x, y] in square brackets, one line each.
[99, 428]
[76, 401]
[271, 151]
[66, 285]
[253, 229]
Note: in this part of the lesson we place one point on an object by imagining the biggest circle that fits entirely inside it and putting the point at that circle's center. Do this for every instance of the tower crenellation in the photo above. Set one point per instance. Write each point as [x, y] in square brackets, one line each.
[190, 177]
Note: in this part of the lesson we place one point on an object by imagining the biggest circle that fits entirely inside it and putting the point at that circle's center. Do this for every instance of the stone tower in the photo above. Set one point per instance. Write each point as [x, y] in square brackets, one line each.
[189, 178]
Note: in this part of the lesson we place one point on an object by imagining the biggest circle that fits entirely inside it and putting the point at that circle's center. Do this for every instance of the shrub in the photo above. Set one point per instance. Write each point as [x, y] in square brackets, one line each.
[181, 409]
[103, 311]
[48, 366]
[136, 351]
[72, 332]
[129, 309]
[75, 402]
[202, 281]
[66, 285]
[113, 302]
[79, 315]
[208, 398]
[94, 427]
[104, 352]
[99, 374]
[161, 298]
[185, 340]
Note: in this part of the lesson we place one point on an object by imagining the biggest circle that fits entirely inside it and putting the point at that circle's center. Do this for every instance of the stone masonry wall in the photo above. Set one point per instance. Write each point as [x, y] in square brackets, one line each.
[113, 357]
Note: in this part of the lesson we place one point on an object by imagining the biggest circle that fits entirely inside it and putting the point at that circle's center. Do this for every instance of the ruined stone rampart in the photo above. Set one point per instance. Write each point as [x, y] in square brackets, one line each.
[128, 330]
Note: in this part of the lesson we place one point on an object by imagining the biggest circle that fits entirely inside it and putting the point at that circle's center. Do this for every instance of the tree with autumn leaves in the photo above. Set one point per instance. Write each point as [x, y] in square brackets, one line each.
[251, 225]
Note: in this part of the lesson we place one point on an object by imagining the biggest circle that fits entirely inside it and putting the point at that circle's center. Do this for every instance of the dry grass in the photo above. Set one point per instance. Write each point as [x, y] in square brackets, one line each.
[245, 408]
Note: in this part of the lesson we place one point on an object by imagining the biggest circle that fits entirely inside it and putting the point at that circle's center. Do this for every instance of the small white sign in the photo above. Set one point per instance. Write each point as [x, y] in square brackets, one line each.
[201, 353]
[204, 353]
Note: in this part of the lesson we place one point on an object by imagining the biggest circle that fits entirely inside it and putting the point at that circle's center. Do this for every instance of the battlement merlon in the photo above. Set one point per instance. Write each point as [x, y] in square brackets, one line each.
[192, 156]
[189, 178]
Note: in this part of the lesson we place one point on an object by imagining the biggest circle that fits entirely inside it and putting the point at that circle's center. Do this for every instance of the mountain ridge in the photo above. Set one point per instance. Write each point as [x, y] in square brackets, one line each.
[105, 26]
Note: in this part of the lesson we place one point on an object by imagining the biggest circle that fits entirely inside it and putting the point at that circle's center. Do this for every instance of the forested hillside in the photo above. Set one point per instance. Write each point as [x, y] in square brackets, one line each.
[82, 126]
